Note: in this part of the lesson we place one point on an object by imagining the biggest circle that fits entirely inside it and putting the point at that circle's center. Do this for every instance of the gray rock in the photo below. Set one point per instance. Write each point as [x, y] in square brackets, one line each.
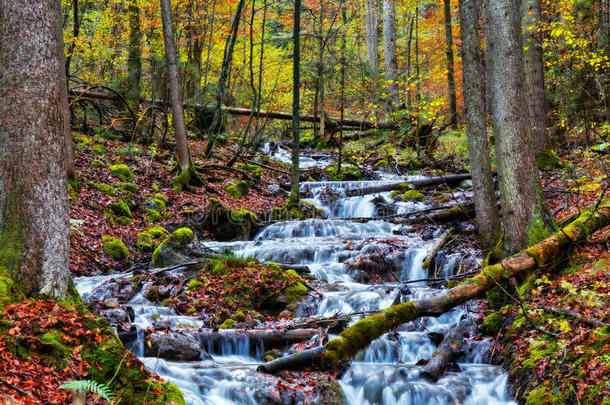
[116, 316]
[111, 302]
[174, 346]
[466, 184]
[180, 247]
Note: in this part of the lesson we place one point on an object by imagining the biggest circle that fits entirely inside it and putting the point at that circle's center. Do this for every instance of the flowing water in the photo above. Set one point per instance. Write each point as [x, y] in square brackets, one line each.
[385, 373]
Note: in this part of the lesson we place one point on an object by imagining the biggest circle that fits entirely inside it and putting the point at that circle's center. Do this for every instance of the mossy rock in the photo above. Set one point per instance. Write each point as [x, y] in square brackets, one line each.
[227, 324]
[194, 285]
[120, 209]
[129, 187]
[348, 173]
[98, 149]
[122, 172]
[493, 323]
[180, 247]
[238, 189]
[413, 195]
[294, 295]
[149, 239]
[115, 248]
[104, 188]
[228, 225]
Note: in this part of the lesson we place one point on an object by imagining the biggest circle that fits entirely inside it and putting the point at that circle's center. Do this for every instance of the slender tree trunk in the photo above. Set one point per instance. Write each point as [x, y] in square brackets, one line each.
[371, 37]
[409, 41]
[224, 76]
[296, 100]
[487, 216]
[525, 215]
[75, 34]
[389, 50]
[34, 248]
[134, 60]
[210, 44]
[450, 64]
[185, 165]
[320, 86]
[343, 47]
[534, 72]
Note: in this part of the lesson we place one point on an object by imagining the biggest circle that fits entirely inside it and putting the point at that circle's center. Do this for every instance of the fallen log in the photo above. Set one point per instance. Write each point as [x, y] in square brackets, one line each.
[438, 245]
[358, 336]
[465, 211]
[269, 337]
[433, 181]
[447, 352]
[294, 361]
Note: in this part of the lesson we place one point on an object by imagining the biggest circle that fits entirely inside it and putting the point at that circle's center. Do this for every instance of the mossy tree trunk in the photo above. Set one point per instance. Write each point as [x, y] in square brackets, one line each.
[34, 250]
[358, 336]
[187, 174]
[484, 196]
[450, 63]
[525, 215]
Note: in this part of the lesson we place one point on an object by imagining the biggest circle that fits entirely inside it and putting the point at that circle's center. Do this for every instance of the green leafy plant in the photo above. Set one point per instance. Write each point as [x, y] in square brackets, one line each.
[101, 390]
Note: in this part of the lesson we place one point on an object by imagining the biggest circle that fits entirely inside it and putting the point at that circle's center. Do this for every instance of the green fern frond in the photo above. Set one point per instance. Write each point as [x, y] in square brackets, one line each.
[101, 390]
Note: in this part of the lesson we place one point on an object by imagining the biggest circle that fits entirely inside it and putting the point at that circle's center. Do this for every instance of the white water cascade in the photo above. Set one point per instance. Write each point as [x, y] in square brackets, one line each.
[385, 373]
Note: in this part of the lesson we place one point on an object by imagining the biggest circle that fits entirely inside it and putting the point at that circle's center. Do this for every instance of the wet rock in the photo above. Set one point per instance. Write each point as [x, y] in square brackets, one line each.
[383, 208]
[180, 247]
[380, 266]
[329, 196]
[174, 346]
[116, 316]
[227, 225]
[466, 184]
[111, 302]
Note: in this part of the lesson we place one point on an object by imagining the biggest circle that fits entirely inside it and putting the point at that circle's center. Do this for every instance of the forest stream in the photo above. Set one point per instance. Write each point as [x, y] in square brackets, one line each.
[386, 372]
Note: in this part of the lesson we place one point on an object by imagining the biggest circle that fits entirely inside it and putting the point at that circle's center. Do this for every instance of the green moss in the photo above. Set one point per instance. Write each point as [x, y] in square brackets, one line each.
[98, 149]
[161, 197]
[413, 195]
[289, 272]
[115, 248]
[294, 293]
[227, 324]
[104, 188]
[239, 316]
[129, 187]
[120, 209]
[359, 335]
[493, 323]
[98, 163]
[194, 285]
[182, 236]
[153, 294]
[168, 302]
[122, 171]
[548, 160]
[545, 395]
[148, 240]
[238, 189]
[396, 195]
[254, 170]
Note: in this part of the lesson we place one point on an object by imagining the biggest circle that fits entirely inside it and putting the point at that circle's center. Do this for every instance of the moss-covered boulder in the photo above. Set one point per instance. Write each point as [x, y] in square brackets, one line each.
[226, 225]
[253, 170]
[413, 195]
[149, 239]
[115, 248]
[180, 247]
[156, 208]
[238, 189]
[119, 212]
[122, 172]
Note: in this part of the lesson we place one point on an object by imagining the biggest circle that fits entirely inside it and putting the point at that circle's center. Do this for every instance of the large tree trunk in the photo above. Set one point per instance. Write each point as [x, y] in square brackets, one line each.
[389, 50]
[187, 172]
[371, 37]
[134, 62]
[534, 72]
[34, 249]
[358, 336]
[296, 100]
[525, 216]
[450, 64]
[487, 216]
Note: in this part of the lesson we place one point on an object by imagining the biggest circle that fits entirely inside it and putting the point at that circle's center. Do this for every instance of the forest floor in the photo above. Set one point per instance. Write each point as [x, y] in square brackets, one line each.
[561, 360]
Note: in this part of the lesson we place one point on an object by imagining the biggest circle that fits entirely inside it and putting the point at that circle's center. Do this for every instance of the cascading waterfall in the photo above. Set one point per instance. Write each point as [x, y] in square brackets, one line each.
[384, 373]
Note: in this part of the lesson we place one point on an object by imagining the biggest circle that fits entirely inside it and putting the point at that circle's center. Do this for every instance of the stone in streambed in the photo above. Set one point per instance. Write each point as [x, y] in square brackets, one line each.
[174, 346]
[180, 247]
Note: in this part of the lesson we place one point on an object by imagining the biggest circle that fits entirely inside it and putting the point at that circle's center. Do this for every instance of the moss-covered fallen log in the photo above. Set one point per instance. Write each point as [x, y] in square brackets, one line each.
[358, 336]
[447, 352]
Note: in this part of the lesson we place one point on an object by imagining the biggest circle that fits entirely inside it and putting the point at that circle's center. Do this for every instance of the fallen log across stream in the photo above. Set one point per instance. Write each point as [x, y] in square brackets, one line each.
[433, 181]
[358, 336]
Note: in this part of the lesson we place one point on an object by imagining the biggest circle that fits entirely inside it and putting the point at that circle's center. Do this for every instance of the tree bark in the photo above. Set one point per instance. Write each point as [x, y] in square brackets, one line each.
[296, 90]
[34, 249]
[389, 50]
[534, 72]
[371, 37]
[187, 172]
[525, 215]
[450, 64]
[134, 62]
[488, 218]
[447, 352]
[358, 336]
